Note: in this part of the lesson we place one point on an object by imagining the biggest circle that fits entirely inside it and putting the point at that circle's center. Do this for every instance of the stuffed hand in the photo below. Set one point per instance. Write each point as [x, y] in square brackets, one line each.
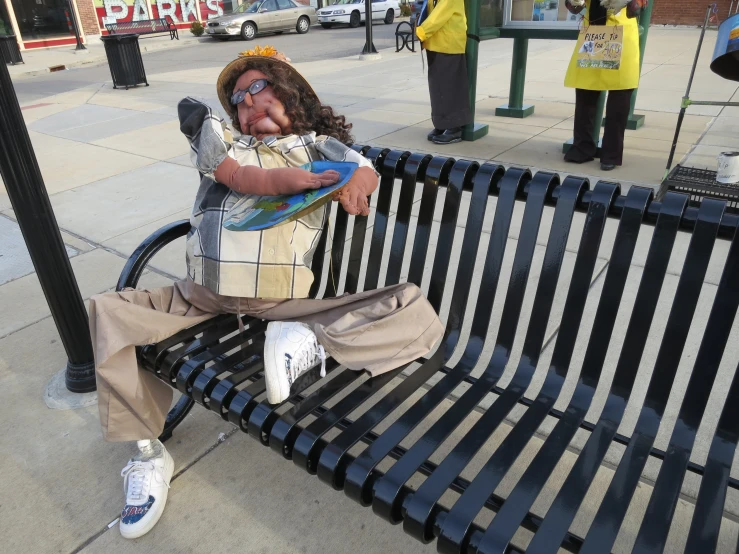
[353, 196]
[294, 180]
[614, 5]
[250, 179]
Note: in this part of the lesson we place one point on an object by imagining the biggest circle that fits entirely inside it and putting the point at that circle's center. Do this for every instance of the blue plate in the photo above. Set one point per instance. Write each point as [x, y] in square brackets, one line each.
[255, 213]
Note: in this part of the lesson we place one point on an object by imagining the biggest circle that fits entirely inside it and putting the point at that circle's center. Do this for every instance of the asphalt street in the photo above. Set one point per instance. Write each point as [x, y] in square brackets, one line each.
[318, 44]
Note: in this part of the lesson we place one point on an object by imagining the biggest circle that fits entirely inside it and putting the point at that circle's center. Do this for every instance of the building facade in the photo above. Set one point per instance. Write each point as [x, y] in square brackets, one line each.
[48, 23]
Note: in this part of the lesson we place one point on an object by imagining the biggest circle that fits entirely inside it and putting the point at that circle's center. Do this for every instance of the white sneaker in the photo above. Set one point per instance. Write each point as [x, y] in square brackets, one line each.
[146, 484]
[290, 350]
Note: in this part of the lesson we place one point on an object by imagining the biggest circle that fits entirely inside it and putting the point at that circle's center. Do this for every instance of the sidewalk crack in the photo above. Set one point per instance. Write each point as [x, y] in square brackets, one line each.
[221, 439]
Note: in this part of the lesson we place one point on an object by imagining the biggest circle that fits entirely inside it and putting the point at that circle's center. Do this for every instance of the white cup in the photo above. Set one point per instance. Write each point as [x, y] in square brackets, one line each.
[728, 168]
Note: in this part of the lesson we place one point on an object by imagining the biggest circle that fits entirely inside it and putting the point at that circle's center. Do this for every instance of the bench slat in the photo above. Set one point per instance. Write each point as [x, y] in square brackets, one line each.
[485, 181]
[437, 171]
[317, 263]
[411, 168]
[337, 254]
[382, 216]
[460, 177]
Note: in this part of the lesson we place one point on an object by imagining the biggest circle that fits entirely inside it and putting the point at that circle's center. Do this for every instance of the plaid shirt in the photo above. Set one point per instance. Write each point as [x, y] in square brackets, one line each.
[275, 262]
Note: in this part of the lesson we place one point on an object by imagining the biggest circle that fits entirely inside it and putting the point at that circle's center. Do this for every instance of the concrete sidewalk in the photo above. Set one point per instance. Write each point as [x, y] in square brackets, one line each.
[117, 168]
[39, 61]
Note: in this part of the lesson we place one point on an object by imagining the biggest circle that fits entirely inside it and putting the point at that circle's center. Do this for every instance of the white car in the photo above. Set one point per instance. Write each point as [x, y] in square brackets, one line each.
[351, 12]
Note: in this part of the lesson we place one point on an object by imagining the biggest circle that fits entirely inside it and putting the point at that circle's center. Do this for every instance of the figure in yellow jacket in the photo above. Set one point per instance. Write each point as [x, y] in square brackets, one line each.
[443, 34]
[589, 79]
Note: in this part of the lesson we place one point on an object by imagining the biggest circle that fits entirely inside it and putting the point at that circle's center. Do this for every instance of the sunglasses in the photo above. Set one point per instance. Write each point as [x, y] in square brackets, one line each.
[255, 88]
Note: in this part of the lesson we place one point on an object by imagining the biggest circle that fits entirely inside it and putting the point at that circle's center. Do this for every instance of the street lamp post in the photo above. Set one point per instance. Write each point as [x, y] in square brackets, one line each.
[369, 47]
[76, 29]
[25, 186]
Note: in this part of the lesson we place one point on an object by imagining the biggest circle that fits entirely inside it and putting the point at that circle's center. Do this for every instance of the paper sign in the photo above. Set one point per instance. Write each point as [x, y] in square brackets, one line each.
[599, 47]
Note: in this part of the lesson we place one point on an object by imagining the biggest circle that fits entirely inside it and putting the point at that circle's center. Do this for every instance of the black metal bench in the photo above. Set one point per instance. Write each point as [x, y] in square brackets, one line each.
[144, 27]
[448, 445]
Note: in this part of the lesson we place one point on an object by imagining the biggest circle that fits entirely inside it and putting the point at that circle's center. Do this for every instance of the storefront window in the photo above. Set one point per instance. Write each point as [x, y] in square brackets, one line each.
[42, 19]
[541, 11]
[5, 26]
[491, 13]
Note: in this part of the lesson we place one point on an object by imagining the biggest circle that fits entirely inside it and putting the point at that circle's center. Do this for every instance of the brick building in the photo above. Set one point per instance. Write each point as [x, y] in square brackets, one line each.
[686, 12]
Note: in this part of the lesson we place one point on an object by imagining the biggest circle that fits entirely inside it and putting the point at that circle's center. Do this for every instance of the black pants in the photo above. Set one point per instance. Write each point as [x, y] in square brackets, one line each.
[617, 115]
[449, 90]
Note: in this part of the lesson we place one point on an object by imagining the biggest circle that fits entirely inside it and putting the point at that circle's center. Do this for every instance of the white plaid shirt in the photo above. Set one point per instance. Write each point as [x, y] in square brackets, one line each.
[275, 262]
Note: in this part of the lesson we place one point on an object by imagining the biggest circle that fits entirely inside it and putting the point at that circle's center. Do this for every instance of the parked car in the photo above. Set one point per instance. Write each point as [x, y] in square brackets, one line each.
[262, 16]
[416, 7]
[351, 12]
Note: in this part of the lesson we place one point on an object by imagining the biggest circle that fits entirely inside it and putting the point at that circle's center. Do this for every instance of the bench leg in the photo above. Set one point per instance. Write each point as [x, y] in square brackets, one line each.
[175, 416]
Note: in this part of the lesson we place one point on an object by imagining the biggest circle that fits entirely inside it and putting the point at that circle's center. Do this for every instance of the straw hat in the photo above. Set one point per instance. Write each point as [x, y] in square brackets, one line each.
[243, 63]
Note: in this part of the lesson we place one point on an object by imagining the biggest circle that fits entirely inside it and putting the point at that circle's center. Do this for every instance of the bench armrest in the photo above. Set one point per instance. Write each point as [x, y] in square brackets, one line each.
[147, 249]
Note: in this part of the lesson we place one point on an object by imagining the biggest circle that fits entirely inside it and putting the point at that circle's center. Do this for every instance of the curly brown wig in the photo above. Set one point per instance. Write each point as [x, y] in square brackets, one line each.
[305, 116]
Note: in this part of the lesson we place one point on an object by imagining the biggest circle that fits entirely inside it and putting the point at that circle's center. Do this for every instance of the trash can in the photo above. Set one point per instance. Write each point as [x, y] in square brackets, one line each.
[10, 51]
[124, 60]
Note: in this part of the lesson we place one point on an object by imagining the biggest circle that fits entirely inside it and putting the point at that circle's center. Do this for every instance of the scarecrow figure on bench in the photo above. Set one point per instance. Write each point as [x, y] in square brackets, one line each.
[265, 274]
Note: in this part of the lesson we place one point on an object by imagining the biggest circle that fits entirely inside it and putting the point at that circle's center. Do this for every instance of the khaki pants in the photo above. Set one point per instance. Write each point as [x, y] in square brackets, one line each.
[376, 330]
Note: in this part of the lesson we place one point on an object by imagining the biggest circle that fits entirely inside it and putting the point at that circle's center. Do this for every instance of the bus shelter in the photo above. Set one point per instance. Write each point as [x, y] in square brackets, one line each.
[523, 20]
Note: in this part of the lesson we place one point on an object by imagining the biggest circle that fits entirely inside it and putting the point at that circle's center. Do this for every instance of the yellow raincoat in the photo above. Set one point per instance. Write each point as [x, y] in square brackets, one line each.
[626, 77]
[445, 29]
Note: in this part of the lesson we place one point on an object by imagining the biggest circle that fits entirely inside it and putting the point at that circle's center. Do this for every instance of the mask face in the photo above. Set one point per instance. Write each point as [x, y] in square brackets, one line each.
[260, 114]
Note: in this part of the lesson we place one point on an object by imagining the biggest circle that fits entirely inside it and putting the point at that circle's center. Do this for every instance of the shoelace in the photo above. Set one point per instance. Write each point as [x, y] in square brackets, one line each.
[134, 475]
[305, 359]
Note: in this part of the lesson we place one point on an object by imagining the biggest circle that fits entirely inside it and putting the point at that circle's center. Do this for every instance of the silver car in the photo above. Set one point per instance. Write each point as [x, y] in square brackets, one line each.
[262, 16]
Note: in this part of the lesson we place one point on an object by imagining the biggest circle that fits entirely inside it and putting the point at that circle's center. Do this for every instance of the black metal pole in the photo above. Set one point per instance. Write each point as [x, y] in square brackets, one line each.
[76, 29]
[686, 99]
[369, 47]
[22, 176]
